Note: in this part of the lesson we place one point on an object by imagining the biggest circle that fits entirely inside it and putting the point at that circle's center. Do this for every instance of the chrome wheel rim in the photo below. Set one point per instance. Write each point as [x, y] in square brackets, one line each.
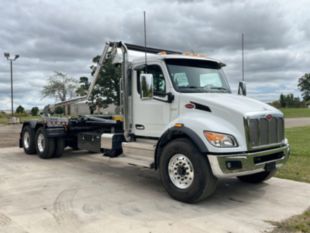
[26, 140]
[41, 142]
[181, 171]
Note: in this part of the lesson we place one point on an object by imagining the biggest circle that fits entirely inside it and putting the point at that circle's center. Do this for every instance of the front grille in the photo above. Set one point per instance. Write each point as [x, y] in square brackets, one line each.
[262, 132]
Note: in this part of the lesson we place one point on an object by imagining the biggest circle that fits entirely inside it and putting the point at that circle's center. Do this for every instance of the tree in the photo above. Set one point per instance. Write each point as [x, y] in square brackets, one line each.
[82, 90]
[304, 86]
[34, 111]
[290, 101]
[59, 110]
[106, 89]
[59, 86]
[20, 110]
[282, 101]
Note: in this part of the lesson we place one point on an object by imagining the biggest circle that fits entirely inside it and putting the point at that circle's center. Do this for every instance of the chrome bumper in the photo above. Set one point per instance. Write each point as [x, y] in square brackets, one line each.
[230, 165]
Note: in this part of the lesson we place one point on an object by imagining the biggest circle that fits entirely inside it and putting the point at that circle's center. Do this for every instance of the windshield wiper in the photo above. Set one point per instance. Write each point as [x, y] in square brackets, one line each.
[218, 88]
[188, 87]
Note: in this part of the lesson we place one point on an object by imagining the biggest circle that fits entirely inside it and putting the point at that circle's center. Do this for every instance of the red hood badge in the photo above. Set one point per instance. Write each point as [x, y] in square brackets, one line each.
[268, 117]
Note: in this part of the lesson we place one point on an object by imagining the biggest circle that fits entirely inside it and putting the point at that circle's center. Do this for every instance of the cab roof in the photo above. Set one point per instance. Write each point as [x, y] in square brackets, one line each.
[158, 57]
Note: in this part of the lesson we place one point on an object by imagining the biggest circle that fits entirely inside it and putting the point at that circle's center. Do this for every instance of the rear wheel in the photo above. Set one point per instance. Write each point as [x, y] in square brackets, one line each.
[258, 177]
[45, 146]
[185, 172]
[28, 140]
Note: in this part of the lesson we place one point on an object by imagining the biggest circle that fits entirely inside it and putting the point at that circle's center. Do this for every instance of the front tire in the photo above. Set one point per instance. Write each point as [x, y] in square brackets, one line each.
[185, 172]
[45, 146]
[258, 177]
[28, 140]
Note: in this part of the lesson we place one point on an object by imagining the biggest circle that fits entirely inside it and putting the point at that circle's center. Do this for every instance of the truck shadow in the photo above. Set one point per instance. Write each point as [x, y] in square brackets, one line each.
[230, 191]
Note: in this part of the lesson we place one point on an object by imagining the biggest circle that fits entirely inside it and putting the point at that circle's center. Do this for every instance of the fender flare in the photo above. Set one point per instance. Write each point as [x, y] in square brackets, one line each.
[32, 124]
[173, 133]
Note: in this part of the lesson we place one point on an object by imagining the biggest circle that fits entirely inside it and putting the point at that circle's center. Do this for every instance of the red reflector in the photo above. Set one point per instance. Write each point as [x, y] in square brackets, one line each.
[190, 105]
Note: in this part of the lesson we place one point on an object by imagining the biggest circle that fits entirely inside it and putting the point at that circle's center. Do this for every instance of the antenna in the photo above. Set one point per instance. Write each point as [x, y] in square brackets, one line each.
[145, 49]
[242, 46]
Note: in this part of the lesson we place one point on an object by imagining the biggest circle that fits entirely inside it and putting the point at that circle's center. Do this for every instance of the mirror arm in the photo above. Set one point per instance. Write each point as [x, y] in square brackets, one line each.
[170, 98]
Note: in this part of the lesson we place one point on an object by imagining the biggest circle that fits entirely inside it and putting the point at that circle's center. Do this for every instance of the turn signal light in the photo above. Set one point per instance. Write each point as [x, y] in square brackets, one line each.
[179, 125]
[213, 136]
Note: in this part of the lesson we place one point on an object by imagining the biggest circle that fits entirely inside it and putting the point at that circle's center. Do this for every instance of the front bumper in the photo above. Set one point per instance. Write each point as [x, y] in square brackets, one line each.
[230, 165]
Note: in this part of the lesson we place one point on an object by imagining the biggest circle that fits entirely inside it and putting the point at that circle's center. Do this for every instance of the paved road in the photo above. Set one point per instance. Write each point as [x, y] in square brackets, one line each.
[88, 193]
[296, 122]
[9, 135]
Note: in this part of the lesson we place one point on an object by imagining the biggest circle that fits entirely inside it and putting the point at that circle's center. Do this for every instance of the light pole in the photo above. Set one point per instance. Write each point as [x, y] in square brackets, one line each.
[11, 59]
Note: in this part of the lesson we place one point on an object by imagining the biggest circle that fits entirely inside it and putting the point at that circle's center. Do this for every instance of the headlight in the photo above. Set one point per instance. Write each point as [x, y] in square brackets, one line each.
[220, 139]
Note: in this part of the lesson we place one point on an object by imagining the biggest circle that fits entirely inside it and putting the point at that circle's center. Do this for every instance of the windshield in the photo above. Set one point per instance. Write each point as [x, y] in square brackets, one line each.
[197, 76]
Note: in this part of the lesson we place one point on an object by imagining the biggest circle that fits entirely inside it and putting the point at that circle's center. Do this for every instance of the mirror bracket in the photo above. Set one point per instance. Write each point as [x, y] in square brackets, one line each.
[242, 88]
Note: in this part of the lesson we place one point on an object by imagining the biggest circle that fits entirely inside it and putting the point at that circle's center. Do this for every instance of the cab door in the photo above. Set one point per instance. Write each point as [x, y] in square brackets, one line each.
[151, 115]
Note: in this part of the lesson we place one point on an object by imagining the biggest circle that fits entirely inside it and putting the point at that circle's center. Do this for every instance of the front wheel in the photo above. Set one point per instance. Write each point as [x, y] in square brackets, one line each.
[258, 177]
[185, 172]
[45, 146]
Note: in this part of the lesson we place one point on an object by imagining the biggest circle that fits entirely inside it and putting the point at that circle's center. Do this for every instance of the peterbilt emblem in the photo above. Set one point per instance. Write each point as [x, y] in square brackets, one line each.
[268, 117]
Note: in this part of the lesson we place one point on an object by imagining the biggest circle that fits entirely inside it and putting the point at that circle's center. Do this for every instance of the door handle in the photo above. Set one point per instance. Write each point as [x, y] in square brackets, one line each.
[140, 127]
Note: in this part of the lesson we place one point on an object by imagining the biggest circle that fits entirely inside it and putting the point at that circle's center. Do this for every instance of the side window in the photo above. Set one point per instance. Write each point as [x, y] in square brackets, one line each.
[158, 79]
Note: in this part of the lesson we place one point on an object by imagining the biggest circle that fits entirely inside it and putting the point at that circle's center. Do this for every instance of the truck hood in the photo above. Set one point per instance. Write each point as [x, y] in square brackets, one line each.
[229, 103]
[221, 112]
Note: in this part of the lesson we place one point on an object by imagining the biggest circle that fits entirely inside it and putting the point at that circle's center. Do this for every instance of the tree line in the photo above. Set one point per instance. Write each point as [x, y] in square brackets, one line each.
[290, 101]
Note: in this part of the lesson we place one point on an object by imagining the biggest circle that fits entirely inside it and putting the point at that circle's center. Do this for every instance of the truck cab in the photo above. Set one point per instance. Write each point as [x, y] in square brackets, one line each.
[179, 116]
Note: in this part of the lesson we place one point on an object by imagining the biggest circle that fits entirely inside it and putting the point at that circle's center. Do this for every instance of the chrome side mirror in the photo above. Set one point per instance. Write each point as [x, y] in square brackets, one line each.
[146, 86]
[242, 88]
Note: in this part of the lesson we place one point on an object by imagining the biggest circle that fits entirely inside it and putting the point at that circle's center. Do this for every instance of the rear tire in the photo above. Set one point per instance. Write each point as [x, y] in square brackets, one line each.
[28, 140]
[45, 146]
[60, 146]
[185, 172]
[257, 177]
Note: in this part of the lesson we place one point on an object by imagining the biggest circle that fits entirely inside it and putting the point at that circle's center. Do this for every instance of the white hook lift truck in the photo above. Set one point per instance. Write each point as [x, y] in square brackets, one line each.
[177, 115]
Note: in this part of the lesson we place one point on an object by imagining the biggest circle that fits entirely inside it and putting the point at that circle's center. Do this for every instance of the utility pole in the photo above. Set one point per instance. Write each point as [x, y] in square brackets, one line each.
[144, 27]
[242, 46]
[11, 59]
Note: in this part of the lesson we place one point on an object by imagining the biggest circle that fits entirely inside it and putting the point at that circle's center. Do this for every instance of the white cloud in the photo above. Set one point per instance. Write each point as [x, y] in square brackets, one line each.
[65, 35]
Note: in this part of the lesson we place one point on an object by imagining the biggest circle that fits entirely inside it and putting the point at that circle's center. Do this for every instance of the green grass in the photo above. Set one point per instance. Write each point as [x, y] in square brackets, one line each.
[298, 165]
[295, 112]
[297, 168]
[5, 119]
[295, 224]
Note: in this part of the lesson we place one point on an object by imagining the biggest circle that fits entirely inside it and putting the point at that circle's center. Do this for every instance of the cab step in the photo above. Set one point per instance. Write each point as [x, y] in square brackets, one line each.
[146, 163]
[139, 153]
